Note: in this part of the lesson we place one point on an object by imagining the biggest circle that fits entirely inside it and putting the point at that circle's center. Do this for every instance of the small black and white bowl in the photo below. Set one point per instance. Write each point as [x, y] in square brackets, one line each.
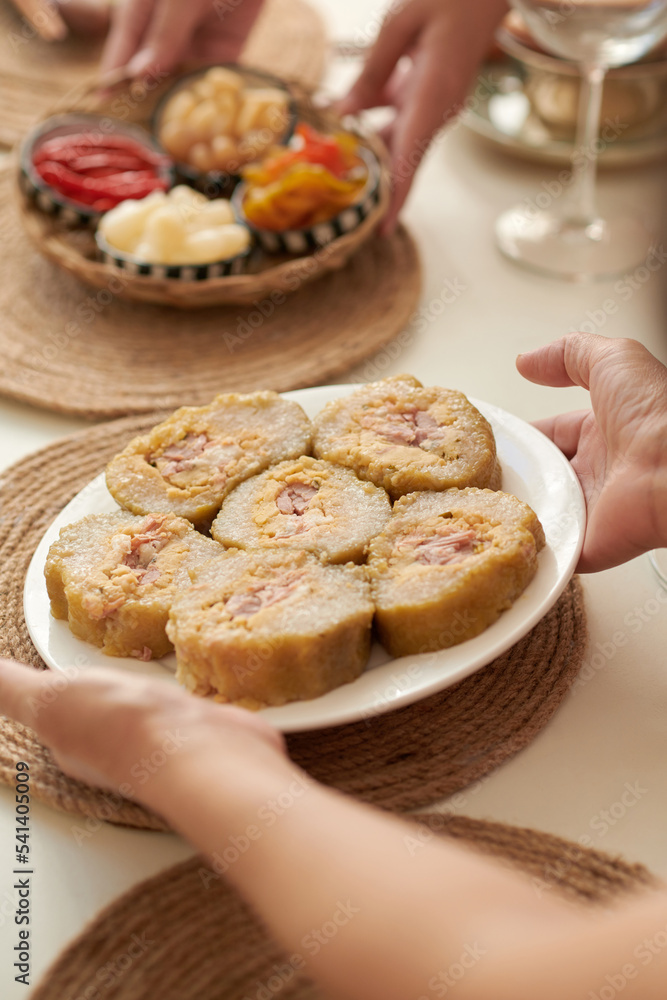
[300, 241]
[37, 192]
[219, 183]
[134, 266]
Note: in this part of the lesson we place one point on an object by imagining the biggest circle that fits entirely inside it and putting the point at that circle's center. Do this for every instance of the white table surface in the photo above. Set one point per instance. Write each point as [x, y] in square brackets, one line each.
[612, 731]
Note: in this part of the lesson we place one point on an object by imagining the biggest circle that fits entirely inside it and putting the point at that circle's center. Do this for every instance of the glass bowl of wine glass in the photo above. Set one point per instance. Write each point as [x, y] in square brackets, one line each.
[658, 560]
[572, 239]
[634, 96]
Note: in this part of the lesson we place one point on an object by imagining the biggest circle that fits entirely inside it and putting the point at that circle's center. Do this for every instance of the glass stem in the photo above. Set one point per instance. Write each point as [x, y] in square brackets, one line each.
[582, 207]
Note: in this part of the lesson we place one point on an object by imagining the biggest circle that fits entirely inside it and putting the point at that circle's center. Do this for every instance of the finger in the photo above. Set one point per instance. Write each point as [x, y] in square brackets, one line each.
[85, 18]
[567, 361]
[415, 125]
[546, 365]
[168, 37]
[21, 688]
[564, 430]
[605, 543]
[396, 36]
[386, 133]
[129, 23]
[44, 18]
[397, 85]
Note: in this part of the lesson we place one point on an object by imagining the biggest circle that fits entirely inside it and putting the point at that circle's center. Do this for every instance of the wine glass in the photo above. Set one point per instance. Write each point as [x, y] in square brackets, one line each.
[658, 560]
[570, 239]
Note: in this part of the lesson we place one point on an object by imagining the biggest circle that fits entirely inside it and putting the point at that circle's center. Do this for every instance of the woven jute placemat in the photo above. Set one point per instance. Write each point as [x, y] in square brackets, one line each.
[401, 760]
[80, 350]
[288, 39]
[182, 936]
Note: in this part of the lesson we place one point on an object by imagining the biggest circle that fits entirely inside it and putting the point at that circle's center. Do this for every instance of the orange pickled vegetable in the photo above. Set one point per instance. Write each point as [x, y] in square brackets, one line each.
[309, 183]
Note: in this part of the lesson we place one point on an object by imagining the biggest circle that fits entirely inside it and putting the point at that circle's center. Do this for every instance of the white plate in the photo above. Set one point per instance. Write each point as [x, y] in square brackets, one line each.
[504, 115]
[533, 469]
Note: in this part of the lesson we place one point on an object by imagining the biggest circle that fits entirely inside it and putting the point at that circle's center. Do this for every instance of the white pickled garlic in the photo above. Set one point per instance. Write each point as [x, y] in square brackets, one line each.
[123, 226]
[184, 195]
[213, 213]
[181, 227]
[166, 232]
[214, 244]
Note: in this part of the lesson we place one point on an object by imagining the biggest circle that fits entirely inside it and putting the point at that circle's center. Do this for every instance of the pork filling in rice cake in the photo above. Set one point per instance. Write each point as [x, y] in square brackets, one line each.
[190, 462]
[404, 437]
[448, 564]
[268, 627]
[308, 504]
[113, 578]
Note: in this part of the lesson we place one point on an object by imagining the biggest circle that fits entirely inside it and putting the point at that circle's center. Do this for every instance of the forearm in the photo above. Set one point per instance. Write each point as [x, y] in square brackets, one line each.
[371, 908]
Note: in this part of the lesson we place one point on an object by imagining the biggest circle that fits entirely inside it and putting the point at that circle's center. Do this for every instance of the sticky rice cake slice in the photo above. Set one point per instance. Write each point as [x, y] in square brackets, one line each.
[448, 564]
[190, 462]
[268, 627]
[405, 437]
[308, 504]
[113, 577]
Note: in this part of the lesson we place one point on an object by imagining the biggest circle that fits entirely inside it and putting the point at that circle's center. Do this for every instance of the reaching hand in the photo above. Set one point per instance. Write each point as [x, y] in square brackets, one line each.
[101, 724]
[618, 448]
[156, 35]
[445, 41]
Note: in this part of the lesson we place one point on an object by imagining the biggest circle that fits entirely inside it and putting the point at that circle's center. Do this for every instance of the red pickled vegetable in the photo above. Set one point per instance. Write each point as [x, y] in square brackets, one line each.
[335, 153]
[129, 184]
[99, 170]
[322, 149]
[89, 142]
[83, 164]
[105, 204]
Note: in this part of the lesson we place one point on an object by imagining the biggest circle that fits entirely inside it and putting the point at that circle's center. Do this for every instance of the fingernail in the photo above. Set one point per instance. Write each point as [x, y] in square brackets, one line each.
[140, 62]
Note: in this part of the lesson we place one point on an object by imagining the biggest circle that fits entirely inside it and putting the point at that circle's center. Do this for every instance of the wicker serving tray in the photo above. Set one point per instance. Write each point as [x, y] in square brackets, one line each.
[75, 251]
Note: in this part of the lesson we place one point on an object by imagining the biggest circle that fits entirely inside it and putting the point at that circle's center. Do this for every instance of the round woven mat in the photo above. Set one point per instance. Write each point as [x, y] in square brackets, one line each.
[401, 760]
[73, 349]
[288, 39]
[173, 938]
